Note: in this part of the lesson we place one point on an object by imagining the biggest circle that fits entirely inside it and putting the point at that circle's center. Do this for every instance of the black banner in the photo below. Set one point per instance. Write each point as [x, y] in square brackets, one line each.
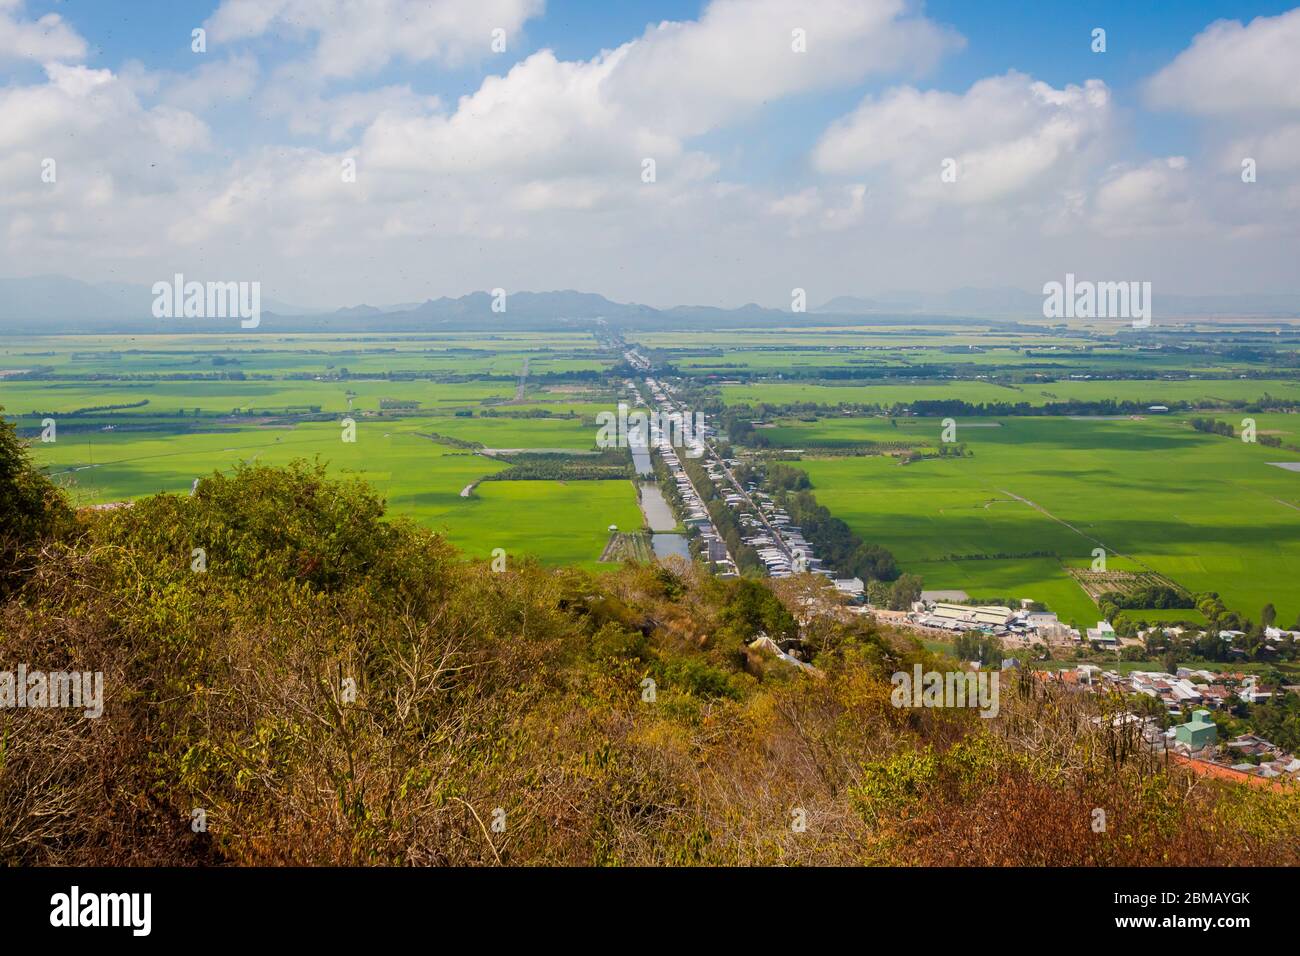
[332, 906]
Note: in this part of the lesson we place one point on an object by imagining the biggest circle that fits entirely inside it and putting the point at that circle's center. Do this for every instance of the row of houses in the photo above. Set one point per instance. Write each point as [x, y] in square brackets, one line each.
[1201, 687]
[780, 545]
[1031, 625]
[1188, 687]
[1194, 741]
[1248, 756]
[696, 515]
[779, 556]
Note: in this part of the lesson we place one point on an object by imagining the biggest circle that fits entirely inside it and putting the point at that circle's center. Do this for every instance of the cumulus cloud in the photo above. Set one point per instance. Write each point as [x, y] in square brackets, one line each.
[1153, 198]
[1231, 69]
[1243, 83]
[361, 36]
[210, 83]
[47, 38]
[822, 209]
[1275, 149]
[577, 132]
[107, 152]
[1004, 136]
[544, 117]
[688, 77]
[534, 178]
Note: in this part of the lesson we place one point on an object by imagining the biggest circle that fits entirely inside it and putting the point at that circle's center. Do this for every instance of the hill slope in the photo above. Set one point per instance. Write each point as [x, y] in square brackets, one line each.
[337, 688]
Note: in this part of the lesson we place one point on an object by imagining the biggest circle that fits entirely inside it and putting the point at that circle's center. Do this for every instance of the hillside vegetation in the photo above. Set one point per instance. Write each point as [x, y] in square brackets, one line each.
[501, 717]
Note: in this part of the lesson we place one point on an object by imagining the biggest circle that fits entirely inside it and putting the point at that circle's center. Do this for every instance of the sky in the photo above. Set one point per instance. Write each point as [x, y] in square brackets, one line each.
[716, 153]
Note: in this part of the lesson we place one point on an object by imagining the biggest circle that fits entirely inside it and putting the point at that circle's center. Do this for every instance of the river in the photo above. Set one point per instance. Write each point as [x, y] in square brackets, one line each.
[666, 544]
[659, 516]
[657, 513]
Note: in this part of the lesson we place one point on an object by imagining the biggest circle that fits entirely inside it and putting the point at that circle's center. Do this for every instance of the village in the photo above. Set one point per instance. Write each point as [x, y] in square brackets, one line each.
[1171, 713]
[765, 526]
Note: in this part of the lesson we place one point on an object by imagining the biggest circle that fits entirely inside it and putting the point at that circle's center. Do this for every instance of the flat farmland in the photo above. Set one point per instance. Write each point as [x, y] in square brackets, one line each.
[140, 415]
[29, 399]
[781, 393]
[1208, 512]
[1207, 392]
[417, 475]
[322, 354]
[984, 360]
[845, 431]
[557, 522]
[897, 335]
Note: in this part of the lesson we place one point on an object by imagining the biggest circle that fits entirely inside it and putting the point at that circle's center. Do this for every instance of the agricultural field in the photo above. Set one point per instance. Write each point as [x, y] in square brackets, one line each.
[1016, 364]
[1037, 494]
[561, 523]
[434, 414]
[303, 355]
[883, 335]
[1151, 391]
[155, 416]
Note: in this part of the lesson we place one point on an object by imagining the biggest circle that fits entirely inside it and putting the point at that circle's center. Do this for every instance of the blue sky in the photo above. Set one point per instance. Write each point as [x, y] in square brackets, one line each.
[766, 163]
[1048, 40]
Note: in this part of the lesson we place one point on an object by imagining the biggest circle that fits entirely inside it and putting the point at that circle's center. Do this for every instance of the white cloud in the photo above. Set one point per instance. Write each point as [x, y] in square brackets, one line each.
[362, 36]
[1275, 149]
[210, 83]
[110, 156]
[1243, 81]
[1231, 69]
[339, 117]
[822, 210]
[544, 117]
[45, 39]
[572, 133]
[1006, 134]
[688, 77]
[533, 179]
[1154, 198]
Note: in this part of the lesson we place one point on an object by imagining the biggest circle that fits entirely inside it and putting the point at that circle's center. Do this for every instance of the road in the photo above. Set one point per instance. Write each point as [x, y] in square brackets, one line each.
[523, 377]
[772, 531]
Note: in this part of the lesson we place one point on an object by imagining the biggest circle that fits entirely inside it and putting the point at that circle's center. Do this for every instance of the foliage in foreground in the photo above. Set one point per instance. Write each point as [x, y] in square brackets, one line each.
[227, 692]
[31, 509]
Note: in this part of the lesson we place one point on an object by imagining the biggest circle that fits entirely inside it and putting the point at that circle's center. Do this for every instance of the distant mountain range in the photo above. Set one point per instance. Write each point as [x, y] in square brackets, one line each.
[59, 304]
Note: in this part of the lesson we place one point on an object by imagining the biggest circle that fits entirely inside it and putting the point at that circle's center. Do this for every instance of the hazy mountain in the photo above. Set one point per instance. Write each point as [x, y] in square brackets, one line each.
[54, 303]
[566, 304]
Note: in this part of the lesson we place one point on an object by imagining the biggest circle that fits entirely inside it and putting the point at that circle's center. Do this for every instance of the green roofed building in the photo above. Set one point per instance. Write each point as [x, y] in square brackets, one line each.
[1197, 732]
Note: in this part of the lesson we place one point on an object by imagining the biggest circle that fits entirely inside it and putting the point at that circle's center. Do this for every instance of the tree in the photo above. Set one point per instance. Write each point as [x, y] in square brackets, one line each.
[905, 591]
[753, 608]
[871, 562]
[973, 646]
[878, 593]
[1268, 615]
[31, 508]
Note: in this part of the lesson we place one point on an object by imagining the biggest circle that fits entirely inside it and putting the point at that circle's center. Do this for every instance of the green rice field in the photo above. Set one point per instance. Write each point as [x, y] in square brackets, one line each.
[1036, 494]
[139, 415]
